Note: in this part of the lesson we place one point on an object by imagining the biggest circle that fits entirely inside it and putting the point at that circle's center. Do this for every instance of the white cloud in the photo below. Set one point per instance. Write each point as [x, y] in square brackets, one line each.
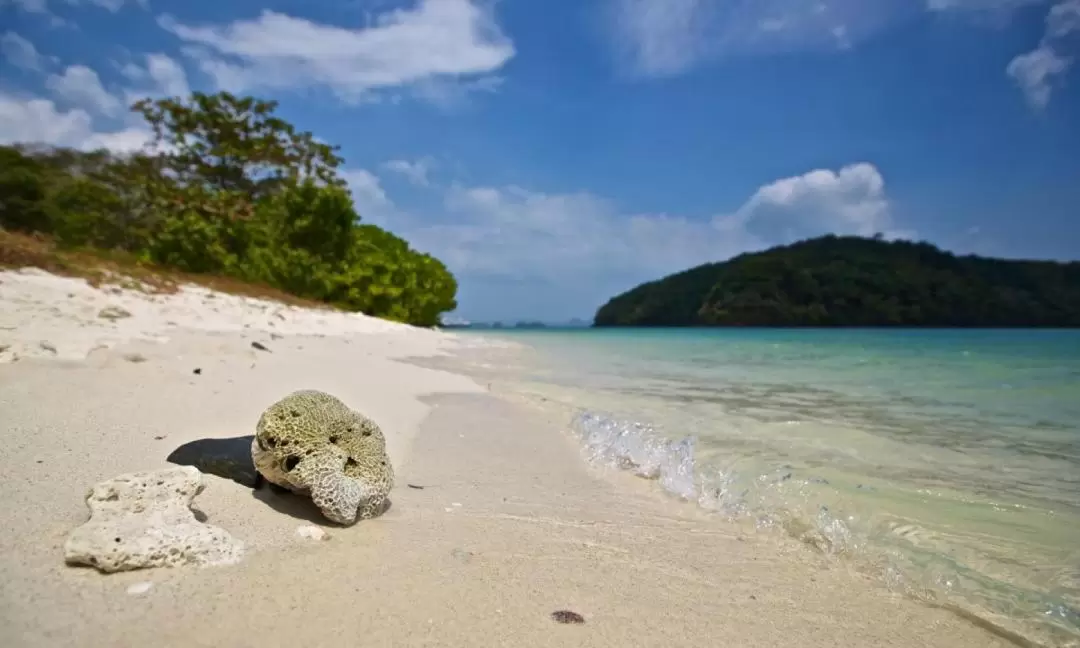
[113, 5]
[168, 75]
[666, 37]
[1036, 72]
[88, 116]
[20, 52]
[42, 6]
[126, 140]
[662, 36]
[978, 5]
[1063, 19]
[416, 172]
[563, 240]
[39, 121]
[574, 250]
[849, 201]
[29, 6]
[449, 92]
[372, 203]
[515, 233]
[655, 38]
[81, 87]
[435, 41]
[162, 76]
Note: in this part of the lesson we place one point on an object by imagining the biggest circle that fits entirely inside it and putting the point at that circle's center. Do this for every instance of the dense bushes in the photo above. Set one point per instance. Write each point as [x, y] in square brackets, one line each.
[227, 189]
[852, 281]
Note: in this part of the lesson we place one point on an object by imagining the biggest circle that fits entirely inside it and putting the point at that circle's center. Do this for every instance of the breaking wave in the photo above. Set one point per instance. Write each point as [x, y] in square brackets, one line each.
[777, 497]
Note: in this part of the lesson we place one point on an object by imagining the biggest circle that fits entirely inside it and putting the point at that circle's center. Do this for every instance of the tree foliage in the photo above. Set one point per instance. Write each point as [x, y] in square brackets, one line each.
[234, 145]
[852, 281]
[230, 189]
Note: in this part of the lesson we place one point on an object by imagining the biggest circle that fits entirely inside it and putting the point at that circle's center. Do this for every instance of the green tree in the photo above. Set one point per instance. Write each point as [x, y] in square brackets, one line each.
[221, 142]
[23, 187]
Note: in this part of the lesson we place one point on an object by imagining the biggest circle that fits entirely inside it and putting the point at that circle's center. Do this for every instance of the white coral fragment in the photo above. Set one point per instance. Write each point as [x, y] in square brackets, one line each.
[144, 519]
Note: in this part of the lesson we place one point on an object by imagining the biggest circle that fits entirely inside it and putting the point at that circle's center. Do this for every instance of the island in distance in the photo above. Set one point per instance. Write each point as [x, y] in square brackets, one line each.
[855, 281]
[456, 323]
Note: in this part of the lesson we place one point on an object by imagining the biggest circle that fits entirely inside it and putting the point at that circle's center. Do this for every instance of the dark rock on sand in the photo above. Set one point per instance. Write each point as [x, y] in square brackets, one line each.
[228, 458]
[566, 616]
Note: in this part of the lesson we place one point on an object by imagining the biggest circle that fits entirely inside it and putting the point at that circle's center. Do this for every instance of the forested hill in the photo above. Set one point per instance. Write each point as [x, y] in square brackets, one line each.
[852, 281]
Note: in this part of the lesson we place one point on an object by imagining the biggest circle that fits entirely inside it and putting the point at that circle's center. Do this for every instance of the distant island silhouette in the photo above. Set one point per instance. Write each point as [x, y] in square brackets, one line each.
[855, 281]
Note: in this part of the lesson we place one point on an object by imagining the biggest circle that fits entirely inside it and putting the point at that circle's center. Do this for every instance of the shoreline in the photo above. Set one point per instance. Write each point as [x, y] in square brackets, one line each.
[509, 525]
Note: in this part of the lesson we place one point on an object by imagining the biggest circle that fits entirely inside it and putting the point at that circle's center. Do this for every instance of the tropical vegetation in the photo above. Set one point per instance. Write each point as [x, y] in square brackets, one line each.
[226, 189]
[855, 281]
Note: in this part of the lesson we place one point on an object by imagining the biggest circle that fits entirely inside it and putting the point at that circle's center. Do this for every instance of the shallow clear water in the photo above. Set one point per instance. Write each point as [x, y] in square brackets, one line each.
[947, 461]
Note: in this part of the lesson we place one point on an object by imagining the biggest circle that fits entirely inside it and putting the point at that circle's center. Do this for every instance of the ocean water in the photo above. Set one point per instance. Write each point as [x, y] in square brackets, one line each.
[944, 462]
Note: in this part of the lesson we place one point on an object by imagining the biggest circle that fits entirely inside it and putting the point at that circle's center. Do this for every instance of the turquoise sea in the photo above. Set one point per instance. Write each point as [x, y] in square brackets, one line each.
[945, 462]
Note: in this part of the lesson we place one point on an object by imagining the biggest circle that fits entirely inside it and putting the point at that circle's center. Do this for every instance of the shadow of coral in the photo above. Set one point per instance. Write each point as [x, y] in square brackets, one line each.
[229, 458]
[299, 506]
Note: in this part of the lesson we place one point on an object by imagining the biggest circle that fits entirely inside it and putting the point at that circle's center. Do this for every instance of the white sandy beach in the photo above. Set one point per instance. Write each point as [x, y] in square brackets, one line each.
[509, 525]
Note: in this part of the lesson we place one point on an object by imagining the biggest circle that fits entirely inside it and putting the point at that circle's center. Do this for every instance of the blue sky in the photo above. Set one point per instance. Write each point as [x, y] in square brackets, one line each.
[555, 153]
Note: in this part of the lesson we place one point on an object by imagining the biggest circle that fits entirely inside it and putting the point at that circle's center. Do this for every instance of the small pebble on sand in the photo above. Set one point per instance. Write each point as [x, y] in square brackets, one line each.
[311, 532]
[136, 589]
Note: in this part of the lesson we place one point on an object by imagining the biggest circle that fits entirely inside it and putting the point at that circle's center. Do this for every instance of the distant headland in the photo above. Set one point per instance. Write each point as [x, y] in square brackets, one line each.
[855, 281]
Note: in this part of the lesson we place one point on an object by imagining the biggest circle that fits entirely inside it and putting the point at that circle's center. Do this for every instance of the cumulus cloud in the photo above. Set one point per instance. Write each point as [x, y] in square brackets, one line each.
[39, 121]
[162, 76]
[520, 249]
[1036, 72]
[81, 87]
[167, 75]
[436, 41]
[79, 111]
[849, 201]
[415, 171]
[20, 52]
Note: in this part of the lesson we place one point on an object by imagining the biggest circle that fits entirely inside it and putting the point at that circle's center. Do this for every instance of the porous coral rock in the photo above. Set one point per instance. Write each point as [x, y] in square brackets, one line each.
[312, 444]
[144, 519]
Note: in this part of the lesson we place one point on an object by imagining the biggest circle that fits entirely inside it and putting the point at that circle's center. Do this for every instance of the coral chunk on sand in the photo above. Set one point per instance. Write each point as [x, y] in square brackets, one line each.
[144, 519]
[311, 443]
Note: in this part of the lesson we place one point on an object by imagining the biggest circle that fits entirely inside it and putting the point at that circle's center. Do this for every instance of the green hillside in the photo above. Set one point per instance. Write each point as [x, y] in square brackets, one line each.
[853, 281]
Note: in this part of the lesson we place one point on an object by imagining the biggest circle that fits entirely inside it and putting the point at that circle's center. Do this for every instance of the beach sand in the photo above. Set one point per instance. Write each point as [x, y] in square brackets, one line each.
[508, 526]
